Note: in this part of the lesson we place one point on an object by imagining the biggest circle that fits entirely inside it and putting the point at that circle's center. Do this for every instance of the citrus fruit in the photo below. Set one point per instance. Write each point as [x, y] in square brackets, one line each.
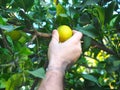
[15, 35]
[65, 32]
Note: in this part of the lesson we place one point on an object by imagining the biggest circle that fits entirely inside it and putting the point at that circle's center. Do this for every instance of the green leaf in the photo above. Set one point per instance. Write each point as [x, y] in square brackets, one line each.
[112, 64]
[40, 73]
[117, 20]
[91, 78]
[87, 43]
[100, 14]
[116, 63]
[111, 59]
[4, 51]
[61, 20]
[2, 21]
[63, 15]
[11, 2]
[65, 1]
[60, 9]
[2, 83]
[9, 27]
[14, 82]
[113, 20]
[84, 19]
[4, 2]
[24, 4]
[55, 2]
[25, 51]
[109, 11]
[10, 41]
[91, 2]
[89, 30]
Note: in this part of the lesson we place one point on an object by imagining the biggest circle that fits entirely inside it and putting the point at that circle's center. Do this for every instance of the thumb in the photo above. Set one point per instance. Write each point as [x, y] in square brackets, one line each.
[55, 36]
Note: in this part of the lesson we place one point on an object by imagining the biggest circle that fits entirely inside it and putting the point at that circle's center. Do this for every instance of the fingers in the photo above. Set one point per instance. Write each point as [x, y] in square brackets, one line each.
[55, 36]
[77, 34]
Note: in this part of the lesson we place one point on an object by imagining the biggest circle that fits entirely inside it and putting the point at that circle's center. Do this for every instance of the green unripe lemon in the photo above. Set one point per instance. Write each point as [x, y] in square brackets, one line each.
[15, 35]
[65, 32]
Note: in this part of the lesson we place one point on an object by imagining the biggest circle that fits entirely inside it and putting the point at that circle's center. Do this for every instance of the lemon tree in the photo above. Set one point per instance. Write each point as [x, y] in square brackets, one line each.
[23, 49]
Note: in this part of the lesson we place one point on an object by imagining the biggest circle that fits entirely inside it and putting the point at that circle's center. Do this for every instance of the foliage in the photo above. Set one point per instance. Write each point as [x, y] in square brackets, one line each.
[23, 59]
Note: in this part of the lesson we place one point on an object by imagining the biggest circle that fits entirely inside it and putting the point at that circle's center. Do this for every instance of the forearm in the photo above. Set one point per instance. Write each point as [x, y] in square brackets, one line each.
[52, 81]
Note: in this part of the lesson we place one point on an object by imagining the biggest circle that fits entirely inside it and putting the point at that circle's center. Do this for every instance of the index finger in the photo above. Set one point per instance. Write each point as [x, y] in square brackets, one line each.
[77, 35]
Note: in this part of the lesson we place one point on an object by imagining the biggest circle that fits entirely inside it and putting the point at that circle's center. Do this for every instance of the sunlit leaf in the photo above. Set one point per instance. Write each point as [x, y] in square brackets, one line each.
[9, 27]
[14, 82]
[2, 83]
[116, 20]
[55, 2]
[40, 73]
[2, 21]
[10, 41]
[100, 14]
[25, 50]
[60, 9]
[113, 21]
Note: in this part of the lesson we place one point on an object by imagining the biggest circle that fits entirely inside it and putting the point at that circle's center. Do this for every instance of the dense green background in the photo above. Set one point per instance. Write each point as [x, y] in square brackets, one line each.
[25, 32]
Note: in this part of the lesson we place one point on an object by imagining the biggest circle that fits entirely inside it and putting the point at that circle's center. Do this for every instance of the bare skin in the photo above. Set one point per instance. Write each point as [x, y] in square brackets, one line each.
[60, 55]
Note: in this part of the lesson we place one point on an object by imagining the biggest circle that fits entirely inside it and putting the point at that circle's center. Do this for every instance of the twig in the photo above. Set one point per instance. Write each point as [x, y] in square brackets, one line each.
[35, 83]
[33, 38]
[36, 34]
[102, 47]
[7, 65]
[41, 34]
[6, 43]
[12, 63]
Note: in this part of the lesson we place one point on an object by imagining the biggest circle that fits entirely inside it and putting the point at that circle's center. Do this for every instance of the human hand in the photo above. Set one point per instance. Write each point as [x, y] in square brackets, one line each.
[62, 54]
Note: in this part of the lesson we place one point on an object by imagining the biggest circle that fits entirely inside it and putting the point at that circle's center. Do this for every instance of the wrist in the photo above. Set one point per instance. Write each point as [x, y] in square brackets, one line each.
[55, 69]
[57, 64]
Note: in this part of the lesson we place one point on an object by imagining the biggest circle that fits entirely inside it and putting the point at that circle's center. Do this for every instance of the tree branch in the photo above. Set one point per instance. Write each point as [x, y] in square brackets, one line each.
[36, 34]
[41, 34]
[6, 45]
[35, 83]
[102, 47]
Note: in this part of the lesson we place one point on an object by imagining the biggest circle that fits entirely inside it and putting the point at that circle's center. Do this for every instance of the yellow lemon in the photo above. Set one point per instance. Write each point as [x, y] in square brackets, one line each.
[65, 32]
